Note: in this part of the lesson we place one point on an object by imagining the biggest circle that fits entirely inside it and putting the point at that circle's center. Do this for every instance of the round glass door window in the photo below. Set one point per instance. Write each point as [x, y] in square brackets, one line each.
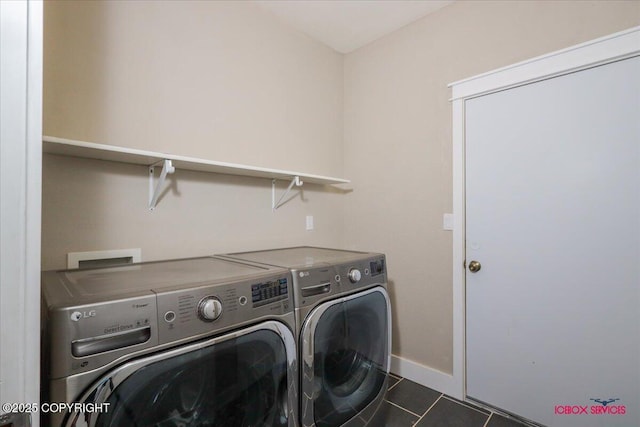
[350, 354]
[240, 382]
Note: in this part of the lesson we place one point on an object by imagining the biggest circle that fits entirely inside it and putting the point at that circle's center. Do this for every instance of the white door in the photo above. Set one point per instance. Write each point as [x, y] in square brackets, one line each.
[553, 218]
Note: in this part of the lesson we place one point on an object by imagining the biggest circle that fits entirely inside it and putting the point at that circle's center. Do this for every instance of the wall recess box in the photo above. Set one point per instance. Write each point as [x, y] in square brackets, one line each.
[103, 258]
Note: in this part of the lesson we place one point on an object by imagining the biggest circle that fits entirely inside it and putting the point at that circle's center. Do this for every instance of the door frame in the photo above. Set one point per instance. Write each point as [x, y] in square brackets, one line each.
[21, 62]
[617, 46]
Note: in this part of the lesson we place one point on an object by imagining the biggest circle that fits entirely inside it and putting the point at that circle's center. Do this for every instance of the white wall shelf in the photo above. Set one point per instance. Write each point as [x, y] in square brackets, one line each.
[90, 150]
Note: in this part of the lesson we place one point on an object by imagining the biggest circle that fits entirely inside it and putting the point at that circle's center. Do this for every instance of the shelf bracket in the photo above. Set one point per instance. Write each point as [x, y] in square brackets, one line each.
[275, 205]
[154, 190]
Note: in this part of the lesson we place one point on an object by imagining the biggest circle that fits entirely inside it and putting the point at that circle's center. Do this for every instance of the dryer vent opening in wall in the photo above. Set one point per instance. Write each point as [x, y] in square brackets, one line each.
[96, 259]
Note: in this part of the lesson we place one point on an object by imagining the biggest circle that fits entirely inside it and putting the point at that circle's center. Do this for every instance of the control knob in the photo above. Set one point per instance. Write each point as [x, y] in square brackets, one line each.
[355, 275]
[209, 309]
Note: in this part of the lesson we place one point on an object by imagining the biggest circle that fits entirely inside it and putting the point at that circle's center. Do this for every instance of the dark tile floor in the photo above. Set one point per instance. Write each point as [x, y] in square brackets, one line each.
[409, 404]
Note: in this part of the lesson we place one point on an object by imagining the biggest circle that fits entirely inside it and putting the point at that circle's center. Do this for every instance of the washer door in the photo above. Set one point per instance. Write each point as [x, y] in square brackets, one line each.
[346, 354]
[241, 379]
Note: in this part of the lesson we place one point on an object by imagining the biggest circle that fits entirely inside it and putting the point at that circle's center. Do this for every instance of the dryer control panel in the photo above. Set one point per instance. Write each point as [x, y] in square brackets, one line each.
[377, 267]
[362, 273]
[323, 282]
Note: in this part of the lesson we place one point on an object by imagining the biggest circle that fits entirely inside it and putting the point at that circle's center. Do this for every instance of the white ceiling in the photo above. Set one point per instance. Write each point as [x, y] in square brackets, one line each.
[346, 25]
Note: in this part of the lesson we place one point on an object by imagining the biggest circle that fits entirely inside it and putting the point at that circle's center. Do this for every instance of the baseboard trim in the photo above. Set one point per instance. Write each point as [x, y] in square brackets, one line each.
[426, 376]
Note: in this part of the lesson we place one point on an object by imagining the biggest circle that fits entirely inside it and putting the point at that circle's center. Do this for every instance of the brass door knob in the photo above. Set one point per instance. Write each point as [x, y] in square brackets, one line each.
[474, 266]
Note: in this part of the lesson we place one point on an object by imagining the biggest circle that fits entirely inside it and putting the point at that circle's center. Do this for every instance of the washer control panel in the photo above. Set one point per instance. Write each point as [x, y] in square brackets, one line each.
[267, 292]
[184, 313]
[209, 308]
[92, 335]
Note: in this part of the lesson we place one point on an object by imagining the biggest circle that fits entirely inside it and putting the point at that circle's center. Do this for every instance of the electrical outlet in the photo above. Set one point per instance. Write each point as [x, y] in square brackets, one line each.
[309, 222]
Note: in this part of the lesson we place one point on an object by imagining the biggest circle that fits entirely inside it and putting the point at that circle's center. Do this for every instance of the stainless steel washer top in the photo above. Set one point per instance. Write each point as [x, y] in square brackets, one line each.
[96, 316]
[212, 323]
[110, 283]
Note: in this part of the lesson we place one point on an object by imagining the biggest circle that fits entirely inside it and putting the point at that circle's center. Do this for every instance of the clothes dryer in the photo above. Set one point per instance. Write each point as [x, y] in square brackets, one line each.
[343, 318]
[193, 342]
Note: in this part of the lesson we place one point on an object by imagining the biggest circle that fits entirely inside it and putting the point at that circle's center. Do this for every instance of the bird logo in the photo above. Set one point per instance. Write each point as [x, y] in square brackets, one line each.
[604, 402]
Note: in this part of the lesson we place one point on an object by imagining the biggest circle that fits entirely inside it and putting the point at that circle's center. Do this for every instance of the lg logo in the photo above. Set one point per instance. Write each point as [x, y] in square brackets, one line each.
[77, 315]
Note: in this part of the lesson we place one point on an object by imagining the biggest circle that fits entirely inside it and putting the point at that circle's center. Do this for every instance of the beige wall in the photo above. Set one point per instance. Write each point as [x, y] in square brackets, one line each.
[398, 141]
[95, 205]
[219, 80]
[211, 79]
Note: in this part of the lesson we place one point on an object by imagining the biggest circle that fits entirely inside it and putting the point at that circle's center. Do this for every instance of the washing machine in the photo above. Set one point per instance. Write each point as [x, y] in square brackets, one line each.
[343, 319]
[192, 342]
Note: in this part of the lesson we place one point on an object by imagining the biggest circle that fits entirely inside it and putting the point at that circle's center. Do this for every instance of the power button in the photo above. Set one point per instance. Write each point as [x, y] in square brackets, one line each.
[169, 316]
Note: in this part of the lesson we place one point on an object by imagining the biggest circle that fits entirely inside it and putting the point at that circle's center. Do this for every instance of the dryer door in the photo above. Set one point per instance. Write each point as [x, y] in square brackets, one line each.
[244, 378]
[346, 354]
